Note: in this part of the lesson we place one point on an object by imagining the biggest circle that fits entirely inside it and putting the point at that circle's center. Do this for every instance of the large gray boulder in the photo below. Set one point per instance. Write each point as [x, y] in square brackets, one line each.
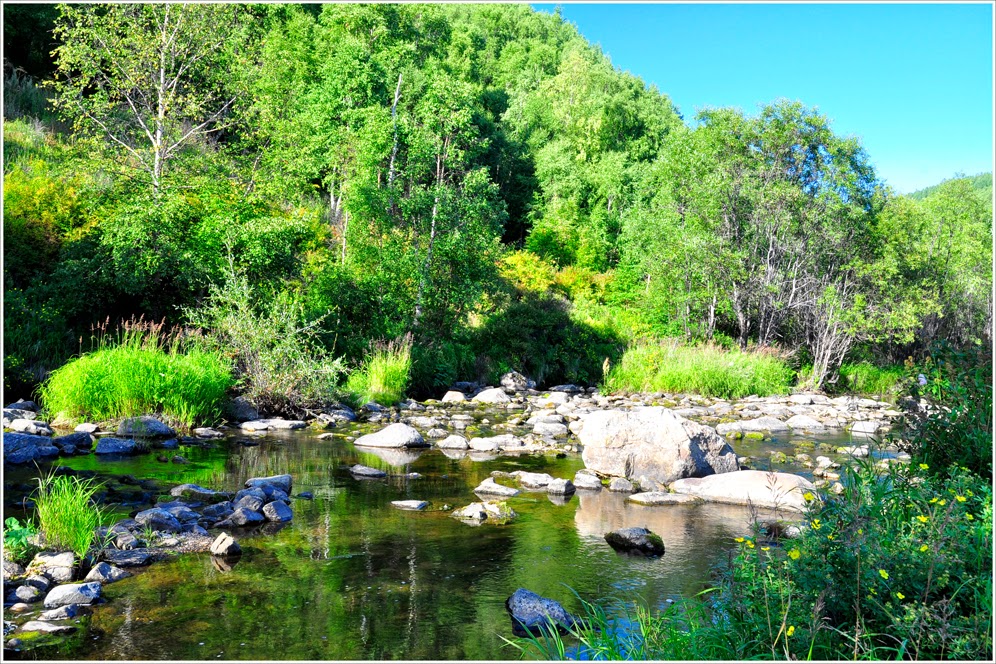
[393, 435]
[494, 395]
[145, 426]
[636, 540]
[116, 446]
[762, 489]
[56, 566]
[653, 442]
[159, 519]
[283, 482]
[24, 448]
[531, 614]
[72, 593]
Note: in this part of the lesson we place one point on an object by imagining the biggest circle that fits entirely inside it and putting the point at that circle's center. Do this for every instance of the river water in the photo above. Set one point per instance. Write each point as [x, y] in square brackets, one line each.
[353, 578]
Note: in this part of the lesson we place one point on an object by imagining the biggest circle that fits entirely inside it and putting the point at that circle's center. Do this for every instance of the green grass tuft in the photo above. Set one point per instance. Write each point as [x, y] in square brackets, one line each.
[866, 378]
[139, 375]
[384, 376]
[67, 516]
[705, 370]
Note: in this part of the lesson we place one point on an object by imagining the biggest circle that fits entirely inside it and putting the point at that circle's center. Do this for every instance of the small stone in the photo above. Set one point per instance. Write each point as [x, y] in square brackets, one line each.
[225, 545]
[361, 471]
[490, 487]
[560, 487]
[104, 573]
[278, 511]
[621, 485]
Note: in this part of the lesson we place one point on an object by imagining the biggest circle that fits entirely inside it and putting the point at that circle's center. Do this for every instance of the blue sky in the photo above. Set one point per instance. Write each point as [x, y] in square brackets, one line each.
[913, 81]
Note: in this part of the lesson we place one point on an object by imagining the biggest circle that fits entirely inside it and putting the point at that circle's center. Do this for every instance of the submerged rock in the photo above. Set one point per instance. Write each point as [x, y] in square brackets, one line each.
[636, 540]
[362, 471]
[653, 442]
[413, 505]
[531, 614]
[662, 498]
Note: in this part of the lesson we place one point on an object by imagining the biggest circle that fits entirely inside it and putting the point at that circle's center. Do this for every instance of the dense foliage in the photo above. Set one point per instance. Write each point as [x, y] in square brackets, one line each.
[302, 183]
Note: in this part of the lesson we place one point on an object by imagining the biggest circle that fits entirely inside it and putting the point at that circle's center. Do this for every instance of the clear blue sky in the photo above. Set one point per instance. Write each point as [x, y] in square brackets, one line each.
[913, 81]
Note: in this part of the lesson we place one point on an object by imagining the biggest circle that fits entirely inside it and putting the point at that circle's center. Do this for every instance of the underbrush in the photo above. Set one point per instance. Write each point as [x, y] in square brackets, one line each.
[866, 378]
[141, 372]
[706, 370]
[384, 375]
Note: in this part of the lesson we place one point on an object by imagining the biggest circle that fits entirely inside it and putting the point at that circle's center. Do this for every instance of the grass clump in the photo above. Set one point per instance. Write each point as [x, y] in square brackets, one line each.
[866, 378]
[67, 515]
[707, 370]
[141, 372]
[384, 375]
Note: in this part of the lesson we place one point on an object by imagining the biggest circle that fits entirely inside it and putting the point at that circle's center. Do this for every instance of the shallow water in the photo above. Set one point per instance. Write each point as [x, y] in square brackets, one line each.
[353, 578]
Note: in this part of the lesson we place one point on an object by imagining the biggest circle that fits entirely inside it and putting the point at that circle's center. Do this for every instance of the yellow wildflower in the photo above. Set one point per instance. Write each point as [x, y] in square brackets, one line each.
[794, 554]
[816, 524]
[961, 499]
[943, 503]
[924, 466]
[900, 596]
[933, 500]
[807, 496]
[750, 544]
[765, 548]
[791, 630]
[923, 548]
[968, 492]
[969, 517]
[830, 537]
[882, 573]
[922, 519]
[739, 540]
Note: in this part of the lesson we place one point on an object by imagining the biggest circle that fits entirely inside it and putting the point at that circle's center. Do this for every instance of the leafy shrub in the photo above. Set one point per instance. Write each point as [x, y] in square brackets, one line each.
[66, 511]
[706, 370]
[17, 544]
[384, 375]
[141, 372]
[280, 365]
[956, 427]
[527, 272]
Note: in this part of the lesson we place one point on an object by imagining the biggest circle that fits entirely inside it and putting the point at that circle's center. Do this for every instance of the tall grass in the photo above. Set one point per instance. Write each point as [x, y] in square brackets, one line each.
[706, 370]
[67, 514]
[866, 378]
[384, 376]
[141, 372]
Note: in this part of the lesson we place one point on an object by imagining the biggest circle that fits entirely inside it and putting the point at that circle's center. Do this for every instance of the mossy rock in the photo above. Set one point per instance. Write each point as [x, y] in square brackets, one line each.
[779, 457]
[805, 445]
[754, 435]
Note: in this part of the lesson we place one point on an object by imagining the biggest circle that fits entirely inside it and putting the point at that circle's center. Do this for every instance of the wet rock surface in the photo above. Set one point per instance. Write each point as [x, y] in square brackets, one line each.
[636, 540]
[531, 613]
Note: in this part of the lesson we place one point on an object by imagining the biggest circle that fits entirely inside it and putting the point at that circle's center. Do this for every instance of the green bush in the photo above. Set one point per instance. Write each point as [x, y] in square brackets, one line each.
[67, 515]
[139, 373]
[385, 373]
[707, 370]
[280, 364]
[956, 426]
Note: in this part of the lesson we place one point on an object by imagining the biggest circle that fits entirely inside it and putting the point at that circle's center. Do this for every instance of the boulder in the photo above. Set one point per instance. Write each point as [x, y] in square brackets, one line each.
[553, 399]
[492, 488]
[244, 517]
[587, 481]
[501, 442]
[866, 427]
[116, 446]
[762, 489]
[104, 573]
[283, 482]
[73, 593]
[636, 540]
[159, 519]
[494, 395]
[411, 505]
[23, 448]
[454, 397]
[654, 442]
[198, 493]
[560, 487]
[423, 422]
[764, 424]
[549, 429]
[131, 558]
[453, 443]
[67, 612]
[805, 423]
[32, 427]
[225, 545]
[531, 614]
[86, 427]
[27, 594]
[532, 480]
[278, 511]
[56, 566]
[272, 424]
[207, 432]
[79, 440]
[21, 404]
[240, 410]
[11, 570]
[516, 382]
[337, 415]
[486, 511]
[621, 485]
[144, 426]
[251, 503]
[662, 498]
[393, 435]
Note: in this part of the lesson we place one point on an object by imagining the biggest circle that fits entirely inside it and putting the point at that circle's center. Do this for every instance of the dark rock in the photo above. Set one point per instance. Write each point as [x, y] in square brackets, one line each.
[278, 511]
[144, 426]
[282, 482]
[83, 441]
[177, 459]
[73, 593]
[39, 581]
[133, 558]
[636, 540]
[27, 594]
[21, 404]
[197, 492]
[240, 410]
[218, 510]
[361, 471]
[22, 447]
[159, 519]
[168, 444]
[182, 513]
[194, 529]
[116, 446]
[306, 495]
[251, 503]
[242, 517]
[531, 614]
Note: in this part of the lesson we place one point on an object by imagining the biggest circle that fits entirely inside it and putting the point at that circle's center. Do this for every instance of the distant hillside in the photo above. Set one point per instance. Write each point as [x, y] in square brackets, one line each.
[979, 182]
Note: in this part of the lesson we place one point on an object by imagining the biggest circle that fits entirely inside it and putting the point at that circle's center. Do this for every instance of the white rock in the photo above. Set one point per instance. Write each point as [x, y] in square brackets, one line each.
[763, 489]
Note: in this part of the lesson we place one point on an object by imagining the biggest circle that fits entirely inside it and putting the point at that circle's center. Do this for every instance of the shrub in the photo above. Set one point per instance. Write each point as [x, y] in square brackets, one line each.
[141, 372]
[866, 378]
[280, 366]
[384, 375]
[17, 546]
[66, 513]
[706, 370]
[956, 427]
